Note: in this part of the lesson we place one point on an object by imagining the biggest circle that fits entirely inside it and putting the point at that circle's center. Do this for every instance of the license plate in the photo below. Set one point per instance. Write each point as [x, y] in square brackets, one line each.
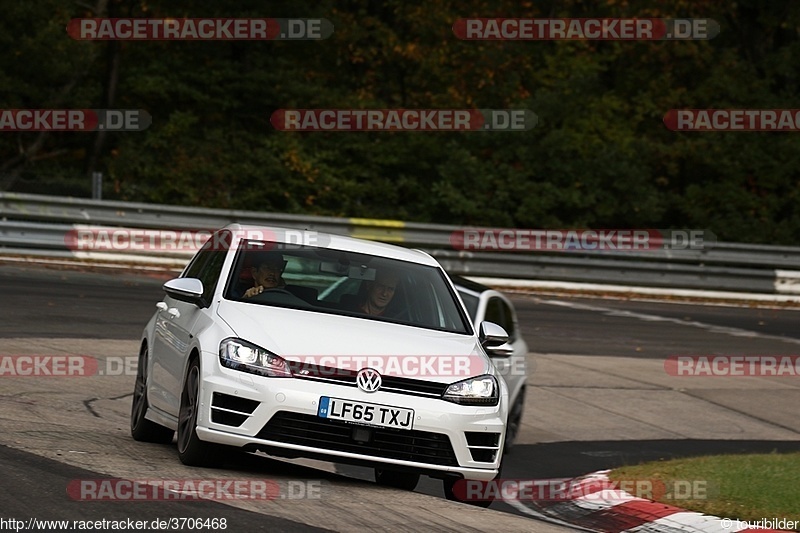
[369, 414]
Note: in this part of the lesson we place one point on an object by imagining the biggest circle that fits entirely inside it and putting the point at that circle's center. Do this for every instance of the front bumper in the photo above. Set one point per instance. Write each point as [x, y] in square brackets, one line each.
[279, 416]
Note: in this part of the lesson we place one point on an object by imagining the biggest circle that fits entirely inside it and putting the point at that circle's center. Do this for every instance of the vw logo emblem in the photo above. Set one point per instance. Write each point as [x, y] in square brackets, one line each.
[368, 380]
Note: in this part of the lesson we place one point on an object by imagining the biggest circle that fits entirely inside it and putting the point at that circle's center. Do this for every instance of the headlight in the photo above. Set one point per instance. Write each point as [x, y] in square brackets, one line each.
[241, 355]
[482, 390]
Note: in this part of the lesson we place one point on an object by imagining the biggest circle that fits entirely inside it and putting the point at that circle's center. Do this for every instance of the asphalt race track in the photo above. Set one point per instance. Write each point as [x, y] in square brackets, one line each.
[598, 397]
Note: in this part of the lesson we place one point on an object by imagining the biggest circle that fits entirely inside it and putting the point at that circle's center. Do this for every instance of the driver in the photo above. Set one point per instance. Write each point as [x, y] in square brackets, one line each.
[267, 273]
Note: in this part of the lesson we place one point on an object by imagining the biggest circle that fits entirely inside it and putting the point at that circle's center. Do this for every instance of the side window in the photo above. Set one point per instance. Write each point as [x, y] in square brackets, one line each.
[197, 264]
[471, 302]
[207, 264]
[509, 322]
[497, 311]
[210, 274]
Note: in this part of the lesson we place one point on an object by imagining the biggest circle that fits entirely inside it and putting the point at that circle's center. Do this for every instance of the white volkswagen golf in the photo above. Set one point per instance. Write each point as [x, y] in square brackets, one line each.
[391, 374]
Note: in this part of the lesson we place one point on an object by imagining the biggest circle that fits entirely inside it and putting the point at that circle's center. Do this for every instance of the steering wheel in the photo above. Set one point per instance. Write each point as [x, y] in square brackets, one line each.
[278, 290]
[269, 296]
[400, 314]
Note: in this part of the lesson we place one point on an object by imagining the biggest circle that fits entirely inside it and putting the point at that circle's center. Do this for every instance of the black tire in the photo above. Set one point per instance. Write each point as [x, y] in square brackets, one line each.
[142, 429]
[398, 480]
[191, 450]
[514, 422]
[450, 493]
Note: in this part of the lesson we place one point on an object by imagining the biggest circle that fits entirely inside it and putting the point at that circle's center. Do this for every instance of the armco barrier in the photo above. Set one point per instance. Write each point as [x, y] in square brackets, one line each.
[37, 224]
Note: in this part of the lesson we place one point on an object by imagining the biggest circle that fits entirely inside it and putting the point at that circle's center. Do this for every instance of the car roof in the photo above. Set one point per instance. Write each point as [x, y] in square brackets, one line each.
[337, 242]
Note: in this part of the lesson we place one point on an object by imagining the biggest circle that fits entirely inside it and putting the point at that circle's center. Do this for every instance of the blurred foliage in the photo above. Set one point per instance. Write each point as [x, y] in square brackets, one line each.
[600, 156]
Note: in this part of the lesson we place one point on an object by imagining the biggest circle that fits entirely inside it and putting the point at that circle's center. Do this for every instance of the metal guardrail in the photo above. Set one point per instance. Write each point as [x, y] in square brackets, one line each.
[617, 271]
[38, 223]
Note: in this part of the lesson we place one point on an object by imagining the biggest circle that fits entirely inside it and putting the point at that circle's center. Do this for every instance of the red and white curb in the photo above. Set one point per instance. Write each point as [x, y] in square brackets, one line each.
[599, 506]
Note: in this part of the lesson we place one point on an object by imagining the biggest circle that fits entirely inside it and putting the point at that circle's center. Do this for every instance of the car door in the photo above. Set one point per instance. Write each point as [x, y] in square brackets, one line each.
[176, 327]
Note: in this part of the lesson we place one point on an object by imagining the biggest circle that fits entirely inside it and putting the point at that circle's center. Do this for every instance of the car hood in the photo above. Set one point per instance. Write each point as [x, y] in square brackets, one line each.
[354, 343]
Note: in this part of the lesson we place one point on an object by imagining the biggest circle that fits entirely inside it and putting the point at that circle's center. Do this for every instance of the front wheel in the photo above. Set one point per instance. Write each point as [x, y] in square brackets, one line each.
[514, 422]
[398, 480]
[142, 429]
[191, 450]
[456, 490]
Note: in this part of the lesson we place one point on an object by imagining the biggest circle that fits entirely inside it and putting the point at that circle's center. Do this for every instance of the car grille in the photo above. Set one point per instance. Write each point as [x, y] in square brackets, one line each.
[340, 376]
[406, 445]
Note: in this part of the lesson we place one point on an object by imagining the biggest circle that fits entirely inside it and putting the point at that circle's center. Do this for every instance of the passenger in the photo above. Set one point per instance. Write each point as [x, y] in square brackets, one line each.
[379, 293]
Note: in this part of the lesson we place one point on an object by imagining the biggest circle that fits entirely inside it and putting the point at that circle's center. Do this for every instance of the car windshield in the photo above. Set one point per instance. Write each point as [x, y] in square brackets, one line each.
[331, 281]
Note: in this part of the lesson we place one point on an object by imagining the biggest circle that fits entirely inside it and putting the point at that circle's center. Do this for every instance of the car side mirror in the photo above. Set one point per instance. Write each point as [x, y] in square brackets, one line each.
[494, 339]
[188, 290]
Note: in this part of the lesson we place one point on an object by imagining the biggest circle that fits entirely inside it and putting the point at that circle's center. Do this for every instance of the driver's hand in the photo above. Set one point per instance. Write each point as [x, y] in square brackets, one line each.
[253, 291]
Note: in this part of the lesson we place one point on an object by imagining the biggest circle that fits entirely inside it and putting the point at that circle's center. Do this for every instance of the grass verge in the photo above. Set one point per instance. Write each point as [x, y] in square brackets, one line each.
[746, 487]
